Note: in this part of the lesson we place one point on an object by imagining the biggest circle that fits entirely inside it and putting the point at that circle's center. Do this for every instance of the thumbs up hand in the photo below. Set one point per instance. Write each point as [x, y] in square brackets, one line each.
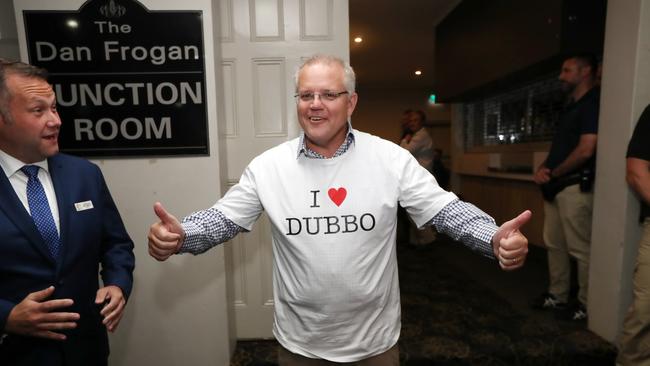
[165, 236]
[510, 245]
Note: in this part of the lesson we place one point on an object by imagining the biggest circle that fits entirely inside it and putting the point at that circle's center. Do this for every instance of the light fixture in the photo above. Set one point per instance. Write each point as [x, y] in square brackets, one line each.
[432, 99]
[418, 72]
[72, 23]
[358, 39]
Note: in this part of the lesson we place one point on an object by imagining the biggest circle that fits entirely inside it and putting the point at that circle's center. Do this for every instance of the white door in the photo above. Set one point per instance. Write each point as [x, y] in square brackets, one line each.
[263, 42]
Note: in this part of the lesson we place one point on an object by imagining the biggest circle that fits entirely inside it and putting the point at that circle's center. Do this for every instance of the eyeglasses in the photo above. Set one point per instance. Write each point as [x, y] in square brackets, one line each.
[324, 96]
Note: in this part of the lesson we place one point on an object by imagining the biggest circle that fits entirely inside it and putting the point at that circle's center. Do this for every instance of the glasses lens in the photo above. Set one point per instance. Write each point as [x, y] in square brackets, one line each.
[306, 97]
[330, 95]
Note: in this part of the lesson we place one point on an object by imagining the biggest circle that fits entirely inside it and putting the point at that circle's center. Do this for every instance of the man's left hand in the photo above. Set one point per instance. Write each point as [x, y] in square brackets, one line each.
[114, 303]
[510, 245]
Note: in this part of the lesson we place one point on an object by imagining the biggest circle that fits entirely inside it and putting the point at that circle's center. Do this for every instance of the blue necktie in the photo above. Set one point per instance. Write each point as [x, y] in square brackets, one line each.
[40, 209]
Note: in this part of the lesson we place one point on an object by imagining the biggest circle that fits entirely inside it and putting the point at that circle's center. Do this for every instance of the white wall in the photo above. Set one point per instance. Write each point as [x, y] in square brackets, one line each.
[178, 311]
[8, 35]
[615, 233]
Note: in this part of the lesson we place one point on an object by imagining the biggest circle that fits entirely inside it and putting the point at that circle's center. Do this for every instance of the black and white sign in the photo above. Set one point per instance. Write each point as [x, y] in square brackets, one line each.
[129, 81]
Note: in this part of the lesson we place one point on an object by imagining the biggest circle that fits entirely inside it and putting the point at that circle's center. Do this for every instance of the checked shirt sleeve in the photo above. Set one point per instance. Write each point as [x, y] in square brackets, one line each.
[205, 229]
[467, 223]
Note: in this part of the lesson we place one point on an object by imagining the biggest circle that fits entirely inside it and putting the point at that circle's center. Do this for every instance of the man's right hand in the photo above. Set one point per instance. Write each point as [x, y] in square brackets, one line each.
[165, 236]
[36, 317]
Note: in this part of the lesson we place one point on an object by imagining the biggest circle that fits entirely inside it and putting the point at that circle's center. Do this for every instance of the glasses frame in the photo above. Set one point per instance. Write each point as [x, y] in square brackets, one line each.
[331, 96]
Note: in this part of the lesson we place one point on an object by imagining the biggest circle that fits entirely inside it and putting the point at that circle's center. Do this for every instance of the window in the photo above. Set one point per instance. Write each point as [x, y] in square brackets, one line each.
[528, 114]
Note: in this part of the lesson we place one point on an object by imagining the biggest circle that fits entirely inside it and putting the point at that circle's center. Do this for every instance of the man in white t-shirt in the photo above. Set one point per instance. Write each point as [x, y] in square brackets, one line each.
[331, 196]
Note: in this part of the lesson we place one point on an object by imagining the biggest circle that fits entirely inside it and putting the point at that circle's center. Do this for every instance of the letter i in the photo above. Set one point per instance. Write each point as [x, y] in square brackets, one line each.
[315, 203]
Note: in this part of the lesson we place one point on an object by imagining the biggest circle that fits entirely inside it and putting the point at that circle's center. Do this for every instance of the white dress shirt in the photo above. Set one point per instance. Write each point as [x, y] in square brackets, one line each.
[11, 167]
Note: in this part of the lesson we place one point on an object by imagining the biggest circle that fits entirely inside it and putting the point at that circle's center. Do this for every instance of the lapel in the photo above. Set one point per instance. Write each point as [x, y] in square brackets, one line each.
[58, 175]
[16, 212]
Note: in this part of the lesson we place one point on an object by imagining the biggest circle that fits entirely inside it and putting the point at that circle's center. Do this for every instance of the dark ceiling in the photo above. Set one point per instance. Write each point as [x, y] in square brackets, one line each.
[398, 38]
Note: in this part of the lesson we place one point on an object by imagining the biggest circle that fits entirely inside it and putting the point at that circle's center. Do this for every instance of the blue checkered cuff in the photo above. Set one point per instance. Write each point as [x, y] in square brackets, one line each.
[465, 222]
[205, 229]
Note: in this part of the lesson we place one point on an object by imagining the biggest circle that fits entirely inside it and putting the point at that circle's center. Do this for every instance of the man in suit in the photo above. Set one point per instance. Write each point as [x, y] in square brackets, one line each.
[58, 224]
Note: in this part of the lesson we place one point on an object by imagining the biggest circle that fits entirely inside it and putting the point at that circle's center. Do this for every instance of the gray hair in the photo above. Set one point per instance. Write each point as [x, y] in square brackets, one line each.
[349, 79]
[16, 68]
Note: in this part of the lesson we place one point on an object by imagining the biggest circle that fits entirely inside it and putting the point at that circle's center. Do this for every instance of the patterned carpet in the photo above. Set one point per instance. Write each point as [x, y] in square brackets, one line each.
[460, 309]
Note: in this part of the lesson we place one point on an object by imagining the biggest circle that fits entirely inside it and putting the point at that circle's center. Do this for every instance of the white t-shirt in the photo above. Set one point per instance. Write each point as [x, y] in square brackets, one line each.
[333, 224]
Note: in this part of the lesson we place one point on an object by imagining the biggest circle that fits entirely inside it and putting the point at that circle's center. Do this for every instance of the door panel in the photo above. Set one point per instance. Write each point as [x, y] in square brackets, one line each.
[262, 43]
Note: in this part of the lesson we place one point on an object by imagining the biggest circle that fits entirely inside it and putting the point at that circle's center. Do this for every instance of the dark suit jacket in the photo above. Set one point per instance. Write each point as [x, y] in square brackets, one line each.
[89, 238]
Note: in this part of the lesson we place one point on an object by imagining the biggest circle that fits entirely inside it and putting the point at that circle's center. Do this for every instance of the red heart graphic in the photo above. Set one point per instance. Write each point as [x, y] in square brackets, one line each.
[337, 195]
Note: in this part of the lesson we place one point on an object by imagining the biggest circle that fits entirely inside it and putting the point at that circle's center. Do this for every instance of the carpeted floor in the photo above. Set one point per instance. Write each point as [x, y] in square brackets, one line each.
[459, 309]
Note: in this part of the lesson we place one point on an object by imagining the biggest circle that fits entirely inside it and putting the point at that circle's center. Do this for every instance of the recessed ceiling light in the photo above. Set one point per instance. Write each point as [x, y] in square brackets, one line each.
[72, 23]
[418, 72]
[358, 39]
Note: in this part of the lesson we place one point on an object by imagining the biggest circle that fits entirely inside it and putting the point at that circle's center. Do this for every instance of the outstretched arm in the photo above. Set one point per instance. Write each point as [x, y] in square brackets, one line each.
[467, 223]
[197, 233]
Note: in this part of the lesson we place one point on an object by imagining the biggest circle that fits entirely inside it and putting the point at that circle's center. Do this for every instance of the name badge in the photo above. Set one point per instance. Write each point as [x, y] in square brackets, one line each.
[82, 206]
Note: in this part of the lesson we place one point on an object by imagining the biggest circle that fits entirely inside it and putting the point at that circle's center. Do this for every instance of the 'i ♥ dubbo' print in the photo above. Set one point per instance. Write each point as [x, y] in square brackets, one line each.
[327, 225]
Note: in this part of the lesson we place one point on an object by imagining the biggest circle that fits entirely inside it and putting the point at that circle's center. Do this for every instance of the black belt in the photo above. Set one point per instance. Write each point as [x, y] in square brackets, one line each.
[556, 185]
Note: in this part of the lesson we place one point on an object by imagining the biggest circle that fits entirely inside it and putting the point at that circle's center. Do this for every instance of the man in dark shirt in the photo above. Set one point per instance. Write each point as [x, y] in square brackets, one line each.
[635, 340]
[565, 178]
